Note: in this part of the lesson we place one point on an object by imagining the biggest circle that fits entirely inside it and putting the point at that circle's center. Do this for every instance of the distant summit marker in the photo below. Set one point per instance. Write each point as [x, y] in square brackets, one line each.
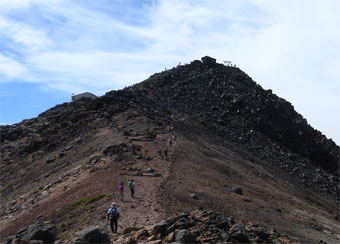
[208, 60]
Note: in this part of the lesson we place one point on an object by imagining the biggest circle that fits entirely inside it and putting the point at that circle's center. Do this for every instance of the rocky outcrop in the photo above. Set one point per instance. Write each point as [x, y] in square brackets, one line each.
[45, 232]
[228, 101]
[121, 148]
[92, 234]
[202, 227]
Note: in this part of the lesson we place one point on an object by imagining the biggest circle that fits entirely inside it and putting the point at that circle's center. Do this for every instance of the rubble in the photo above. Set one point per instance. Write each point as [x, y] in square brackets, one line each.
[201, 226]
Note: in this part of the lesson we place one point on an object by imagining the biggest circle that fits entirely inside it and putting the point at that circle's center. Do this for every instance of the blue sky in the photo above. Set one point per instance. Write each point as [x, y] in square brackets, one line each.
[50, 49]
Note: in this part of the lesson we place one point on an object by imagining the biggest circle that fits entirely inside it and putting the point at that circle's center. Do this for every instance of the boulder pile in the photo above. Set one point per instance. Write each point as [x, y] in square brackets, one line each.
[201, 226]
[229, 102]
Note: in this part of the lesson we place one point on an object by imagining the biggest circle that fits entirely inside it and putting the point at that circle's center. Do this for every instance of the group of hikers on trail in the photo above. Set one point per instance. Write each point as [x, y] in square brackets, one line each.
[131, 185]
[113, 212]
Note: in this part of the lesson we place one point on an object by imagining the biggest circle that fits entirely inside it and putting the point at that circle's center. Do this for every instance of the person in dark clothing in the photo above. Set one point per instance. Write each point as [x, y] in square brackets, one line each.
[131, 185]
[113, 216]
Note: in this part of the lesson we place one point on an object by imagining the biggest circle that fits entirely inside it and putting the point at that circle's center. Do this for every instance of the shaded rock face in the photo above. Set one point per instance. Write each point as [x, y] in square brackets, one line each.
[40, 231]
[93, 234]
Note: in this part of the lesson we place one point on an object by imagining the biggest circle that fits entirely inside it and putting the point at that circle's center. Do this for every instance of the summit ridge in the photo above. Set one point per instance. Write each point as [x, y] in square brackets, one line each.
[189, 136]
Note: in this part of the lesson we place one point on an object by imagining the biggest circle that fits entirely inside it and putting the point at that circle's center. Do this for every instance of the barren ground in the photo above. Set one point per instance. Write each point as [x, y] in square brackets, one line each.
[197, 164]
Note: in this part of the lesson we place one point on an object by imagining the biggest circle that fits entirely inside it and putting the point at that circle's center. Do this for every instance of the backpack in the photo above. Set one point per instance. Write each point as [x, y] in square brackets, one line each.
[114, 213]
[131, 184]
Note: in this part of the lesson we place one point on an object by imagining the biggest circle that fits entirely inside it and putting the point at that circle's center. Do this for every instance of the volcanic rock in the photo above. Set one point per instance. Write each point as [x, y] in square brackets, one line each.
[237, 190]
[185, 236]
[40, 231]
[92, 234]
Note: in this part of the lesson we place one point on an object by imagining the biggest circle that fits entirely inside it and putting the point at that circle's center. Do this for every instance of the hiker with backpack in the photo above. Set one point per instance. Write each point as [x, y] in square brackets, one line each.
[113, 216]
[131, 185]
[121, 190]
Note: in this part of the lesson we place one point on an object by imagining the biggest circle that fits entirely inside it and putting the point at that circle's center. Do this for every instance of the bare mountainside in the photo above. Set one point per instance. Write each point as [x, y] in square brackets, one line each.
[200, 137]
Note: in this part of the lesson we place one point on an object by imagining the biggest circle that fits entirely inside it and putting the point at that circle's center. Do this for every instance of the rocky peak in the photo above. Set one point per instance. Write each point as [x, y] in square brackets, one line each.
[226, 100]
[186, 135]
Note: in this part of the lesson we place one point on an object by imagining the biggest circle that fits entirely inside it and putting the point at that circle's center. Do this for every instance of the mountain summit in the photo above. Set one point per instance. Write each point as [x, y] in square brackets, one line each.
[231, 104]
[198, 136]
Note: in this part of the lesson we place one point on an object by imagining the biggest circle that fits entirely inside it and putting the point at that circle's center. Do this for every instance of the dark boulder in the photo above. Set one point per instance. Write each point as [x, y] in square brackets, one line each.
[114, 149]
[194, 196]
[92, 234]
[160, 227]
[237, 190]
[182, 223]
[185, 236]
[44, 231]
[237, 232]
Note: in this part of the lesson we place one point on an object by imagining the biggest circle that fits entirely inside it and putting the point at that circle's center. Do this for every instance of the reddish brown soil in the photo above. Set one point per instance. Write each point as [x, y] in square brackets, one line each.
[270, 197]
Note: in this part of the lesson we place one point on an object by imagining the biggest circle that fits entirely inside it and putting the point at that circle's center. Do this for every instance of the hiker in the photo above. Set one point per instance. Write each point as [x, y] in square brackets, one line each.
[131, 185]
[159, 152]
[121, 190]
[113, 216]
[170, 142]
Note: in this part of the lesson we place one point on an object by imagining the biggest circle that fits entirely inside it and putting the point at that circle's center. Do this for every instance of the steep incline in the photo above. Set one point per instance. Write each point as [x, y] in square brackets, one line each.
[63, 165]
[226, 100]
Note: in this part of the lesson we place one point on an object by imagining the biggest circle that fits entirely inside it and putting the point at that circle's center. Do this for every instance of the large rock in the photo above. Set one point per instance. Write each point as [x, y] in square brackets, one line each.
[182, 223]
[112, 150]
[194, 196]
[43, 231]
[238, 232]
[174, 219]
[160, 227]
[92, 234]
[237, 190]
[185, 236]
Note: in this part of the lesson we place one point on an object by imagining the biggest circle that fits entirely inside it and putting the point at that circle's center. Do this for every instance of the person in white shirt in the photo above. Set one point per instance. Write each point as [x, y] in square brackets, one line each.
[113, 216]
